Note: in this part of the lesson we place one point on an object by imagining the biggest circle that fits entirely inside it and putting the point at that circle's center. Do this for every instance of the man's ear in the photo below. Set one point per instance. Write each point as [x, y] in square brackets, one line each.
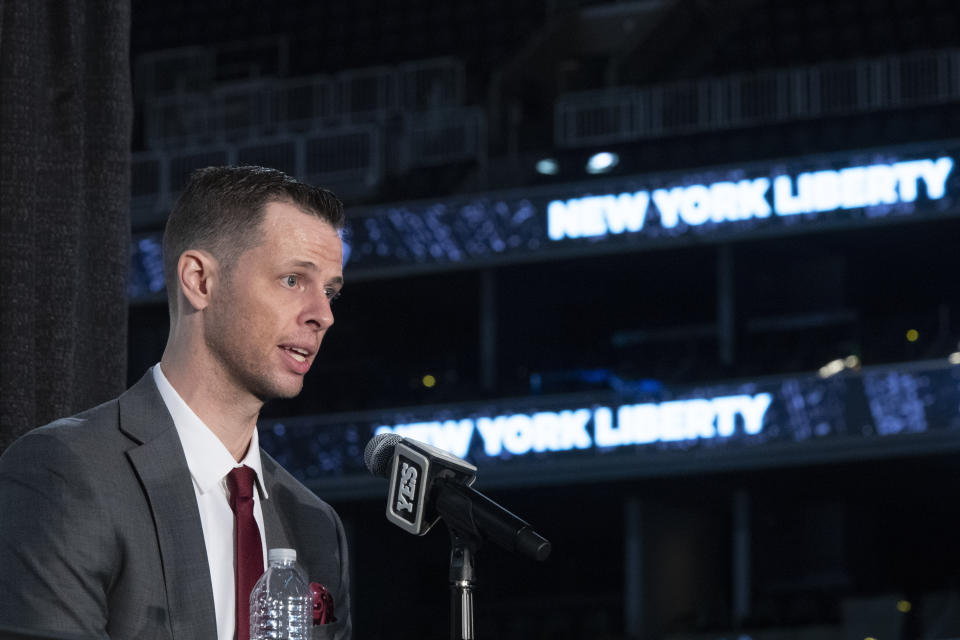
[197, 272]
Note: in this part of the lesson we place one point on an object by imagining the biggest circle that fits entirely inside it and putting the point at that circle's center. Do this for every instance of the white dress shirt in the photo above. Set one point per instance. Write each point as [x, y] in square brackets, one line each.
[209, 462]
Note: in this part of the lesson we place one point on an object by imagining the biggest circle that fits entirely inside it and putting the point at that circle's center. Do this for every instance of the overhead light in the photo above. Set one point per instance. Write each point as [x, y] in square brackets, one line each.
[602, 162]
[832, 368]
[548, 167]
[913, 335]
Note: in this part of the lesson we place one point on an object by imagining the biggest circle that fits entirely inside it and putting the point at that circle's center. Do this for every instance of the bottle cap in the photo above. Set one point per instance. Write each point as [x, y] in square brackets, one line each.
[281, 555]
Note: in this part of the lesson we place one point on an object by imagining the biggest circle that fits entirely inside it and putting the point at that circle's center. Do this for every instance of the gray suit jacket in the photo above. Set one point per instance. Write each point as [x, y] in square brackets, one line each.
[100, 533]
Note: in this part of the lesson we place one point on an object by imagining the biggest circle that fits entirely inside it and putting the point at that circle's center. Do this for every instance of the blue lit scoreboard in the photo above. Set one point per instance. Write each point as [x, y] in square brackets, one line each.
[899, 410]
[780, 197]
[720, 204]
[877, 190]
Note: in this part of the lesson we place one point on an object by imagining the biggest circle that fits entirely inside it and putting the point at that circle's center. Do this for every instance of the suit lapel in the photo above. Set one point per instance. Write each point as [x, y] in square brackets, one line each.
[273, 524]
[162, 468]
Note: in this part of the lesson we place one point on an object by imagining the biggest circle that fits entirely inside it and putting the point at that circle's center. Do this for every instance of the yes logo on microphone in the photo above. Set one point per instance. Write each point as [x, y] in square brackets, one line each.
[416, 467]
[408, 487]
[406, 477]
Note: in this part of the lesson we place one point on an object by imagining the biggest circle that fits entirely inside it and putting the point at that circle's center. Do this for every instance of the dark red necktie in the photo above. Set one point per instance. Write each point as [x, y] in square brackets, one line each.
[249, 551]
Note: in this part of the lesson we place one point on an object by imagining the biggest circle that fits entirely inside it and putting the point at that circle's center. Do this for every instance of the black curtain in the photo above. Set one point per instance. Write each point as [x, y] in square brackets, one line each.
[65, 126]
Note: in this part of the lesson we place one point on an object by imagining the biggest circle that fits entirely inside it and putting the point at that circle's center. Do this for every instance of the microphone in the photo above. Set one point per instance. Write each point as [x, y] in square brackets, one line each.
[427, 483]
[413, 468]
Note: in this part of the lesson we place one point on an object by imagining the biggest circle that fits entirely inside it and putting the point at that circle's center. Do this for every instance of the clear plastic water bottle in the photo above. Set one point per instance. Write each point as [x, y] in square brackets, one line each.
[281, 605]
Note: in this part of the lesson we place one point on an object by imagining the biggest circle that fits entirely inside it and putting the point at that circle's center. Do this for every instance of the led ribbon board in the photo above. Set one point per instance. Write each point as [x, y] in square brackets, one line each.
[625, 214]
[517, 434]
[877, 188]
[848, 415]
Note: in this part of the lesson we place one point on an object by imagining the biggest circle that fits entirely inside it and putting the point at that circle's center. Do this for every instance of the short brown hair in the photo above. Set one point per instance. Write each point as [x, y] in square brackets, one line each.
[221, 208]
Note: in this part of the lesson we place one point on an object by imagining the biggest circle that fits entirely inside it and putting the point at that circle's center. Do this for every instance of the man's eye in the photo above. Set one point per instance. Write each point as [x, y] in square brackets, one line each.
[291, 281]
[332, 294]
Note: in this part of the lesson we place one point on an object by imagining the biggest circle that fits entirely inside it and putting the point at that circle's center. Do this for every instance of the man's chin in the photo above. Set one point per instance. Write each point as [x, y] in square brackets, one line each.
[281, 391]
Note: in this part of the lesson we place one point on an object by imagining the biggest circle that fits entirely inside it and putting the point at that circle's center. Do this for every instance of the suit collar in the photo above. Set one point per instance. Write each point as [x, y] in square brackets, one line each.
[162, 468]
[143, 414]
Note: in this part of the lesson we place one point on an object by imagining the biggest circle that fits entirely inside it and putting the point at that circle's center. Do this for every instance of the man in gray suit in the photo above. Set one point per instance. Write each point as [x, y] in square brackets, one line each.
[120, 522]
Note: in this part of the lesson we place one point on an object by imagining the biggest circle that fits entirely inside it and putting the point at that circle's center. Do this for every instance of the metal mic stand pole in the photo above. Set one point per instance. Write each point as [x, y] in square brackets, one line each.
[462, 583]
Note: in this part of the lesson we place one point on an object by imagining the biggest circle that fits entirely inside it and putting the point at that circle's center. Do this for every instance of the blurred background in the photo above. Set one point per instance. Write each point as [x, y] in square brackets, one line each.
[679, 276]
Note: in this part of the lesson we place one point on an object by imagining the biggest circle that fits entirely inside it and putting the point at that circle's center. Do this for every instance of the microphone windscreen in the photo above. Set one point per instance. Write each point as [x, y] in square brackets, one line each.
[378, 454]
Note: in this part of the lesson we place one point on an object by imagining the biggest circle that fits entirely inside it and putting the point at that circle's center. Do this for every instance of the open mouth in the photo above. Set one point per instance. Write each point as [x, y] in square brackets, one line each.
[300, 355]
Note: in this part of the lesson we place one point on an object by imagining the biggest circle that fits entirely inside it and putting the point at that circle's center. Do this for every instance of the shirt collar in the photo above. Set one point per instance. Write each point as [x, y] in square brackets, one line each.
[208, 459]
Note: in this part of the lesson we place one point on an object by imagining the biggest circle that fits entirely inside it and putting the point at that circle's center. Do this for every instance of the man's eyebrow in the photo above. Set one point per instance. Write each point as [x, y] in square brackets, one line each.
[306, 264]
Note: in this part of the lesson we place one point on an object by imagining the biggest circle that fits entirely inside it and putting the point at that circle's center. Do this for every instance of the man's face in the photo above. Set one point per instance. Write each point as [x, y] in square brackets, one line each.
[267, 318]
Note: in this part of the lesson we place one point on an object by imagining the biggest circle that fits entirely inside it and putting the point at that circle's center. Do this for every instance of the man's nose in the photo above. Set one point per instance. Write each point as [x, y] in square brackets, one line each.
[319, 314]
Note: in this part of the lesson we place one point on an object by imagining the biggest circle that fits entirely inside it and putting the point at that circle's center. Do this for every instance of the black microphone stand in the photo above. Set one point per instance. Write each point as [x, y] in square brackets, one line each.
[465, 539]
[463, 556]
[469, 516]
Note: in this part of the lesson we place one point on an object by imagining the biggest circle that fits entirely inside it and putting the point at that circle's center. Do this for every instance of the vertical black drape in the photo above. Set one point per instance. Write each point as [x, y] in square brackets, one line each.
[65, 121]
